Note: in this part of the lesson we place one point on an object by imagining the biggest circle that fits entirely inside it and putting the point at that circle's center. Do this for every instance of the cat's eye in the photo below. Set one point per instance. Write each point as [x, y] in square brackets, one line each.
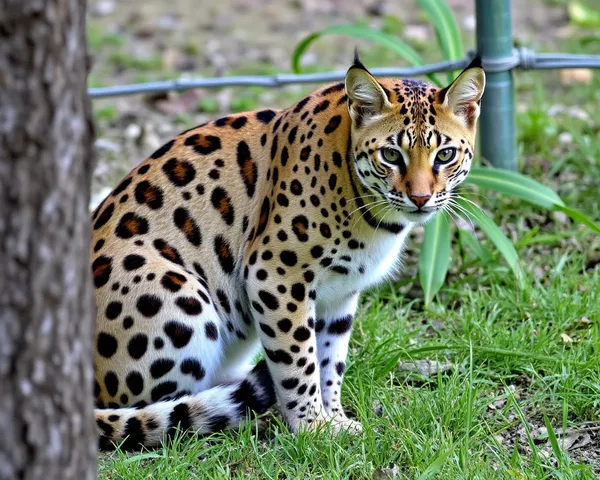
[445, 156]
[390, 155]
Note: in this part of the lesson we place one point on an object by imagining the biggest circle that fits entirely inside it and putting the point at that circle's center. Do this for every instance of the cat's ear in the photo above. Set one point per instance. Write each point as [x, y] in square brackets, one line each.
[463, 95]
[367, 97]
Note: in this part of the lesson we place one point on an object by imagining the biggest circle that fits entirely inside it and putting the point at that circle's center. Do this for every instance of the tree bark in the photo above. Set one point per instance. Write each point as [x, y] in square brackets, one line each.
[46, 305]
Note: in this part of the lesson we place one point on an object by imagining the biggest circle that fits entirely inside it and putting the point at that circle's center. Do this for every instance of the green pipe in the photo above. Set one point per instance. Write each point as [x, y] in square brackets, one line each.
[497, 137]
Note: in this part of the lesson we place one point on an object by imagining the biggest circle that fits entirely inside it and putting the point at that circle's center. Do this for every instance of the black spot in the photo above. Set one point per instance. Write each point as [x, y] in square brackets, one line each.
[137, 346]
[325, 230]
[285, 325]
[292, 135]
[321, 107]
[224, 254]
[285, 155]
[107, 429]
[316, 251]
[179, 333]
[268, 331]
[148, 194]
[162, 389]
[269, 300]
[211, 331]
[149, 305]
[131, 225]
[184, 222]
[288, 257]
[105, 216]
[248, 168]
[190, 305]
[279, 356]
[99, 244]
[113, 310]
[302, 334]
[340, 367]
[162, 150]
[296, 187]
[111, 382]
[274, 148]
[333, 124]
[332, 181]
[300, 105]
[179, 419]
[310, 369]
[133, 434]
[223, 204]
[179, 172]
[339, 269]
[290, 383]
[173, 281]
[133, 262]
[143, 169]
[127, 322]
[191, 366]
[217, 423]
[300, 227]
[298, 291]
[203, 144]
[291, 405]
[265, 209]
[161, 367]
[222, 296]
[265, 116]
[319, 325]
[305, 153]
[106, 344]
[238, 123]
[340, 326]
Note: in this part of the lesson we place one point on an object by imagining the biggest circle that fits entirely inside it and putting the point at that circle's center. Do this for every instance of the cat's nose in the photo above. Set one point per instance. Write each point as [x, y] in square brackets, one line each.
[420, 199]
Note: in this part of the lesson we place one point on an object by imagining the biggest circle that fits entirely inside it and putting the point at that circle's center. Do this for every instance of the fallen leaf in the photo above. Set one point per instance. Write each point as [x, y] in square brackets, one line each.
[425, 367]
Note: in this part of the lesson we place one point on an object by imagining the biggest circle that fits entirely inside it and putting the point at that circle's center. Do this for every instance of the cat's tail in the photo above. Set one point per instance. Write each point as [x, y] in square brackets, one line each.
[215, 409]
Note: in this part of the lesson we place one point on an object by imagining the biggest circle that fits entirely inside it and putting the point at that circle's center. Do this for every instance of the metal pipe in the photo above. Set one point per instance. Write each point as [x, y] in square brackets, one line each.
[497, 138]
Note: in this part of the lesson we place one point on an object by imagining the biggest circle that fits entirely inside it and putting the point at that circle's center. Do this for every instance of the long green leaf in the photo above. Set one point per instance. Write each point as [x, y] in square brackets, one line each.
[446, 29]
[434, 256]
[579, 217]
[514, 184]
[357, 31]
[525, 188]
[496, 236]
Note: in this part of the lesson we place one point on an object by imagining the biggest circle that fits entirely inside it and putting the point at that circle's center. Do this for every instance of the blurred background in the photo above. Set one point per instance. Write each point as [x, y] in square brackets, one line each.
[130, 42]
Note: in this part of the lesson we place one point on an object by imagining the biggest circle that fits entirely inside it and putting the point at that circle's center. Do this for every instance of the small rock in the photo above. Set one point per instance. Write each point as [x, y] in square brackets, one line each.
[387, 473]
[469, 23]
[425, 367]
[133, 131]
[560, 217]
[573, 76]
[102, 8]
[105, 145]
[565, 138]
[420, 33]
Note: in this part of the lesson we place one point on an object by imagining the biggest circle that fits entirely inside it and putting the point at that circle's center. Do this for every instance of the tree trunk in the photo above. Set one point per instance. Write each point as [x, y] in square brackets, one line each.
[46, 306]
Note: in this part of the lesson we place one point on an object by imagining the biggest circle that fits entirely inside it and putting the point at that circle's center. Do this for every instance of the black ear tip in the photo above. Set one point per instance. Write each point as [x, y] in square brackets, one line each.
[476, 62]
[357, 63]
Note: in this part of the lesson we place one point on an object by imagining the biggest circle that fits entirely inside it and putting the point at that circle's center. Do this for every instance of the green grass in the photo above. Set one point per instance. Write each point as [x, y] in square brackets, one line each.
[517, 356]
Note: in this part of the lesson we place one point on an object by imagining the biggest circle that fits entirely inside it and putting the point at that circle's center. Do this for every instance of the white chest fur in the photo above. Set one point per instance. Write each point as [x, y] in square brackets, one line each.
[368, 266]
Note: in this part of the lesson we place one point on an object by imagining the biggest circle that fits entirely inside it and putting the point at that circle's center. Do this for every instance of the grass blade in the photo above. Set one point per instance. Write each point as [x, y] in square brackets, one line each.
[496, 236]
[434, 257]
[578, 216]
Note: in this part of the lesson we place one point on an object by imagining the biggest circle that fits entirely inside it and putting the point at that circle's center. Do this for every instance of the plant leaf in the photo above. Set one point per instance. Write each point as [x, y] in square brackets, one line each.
[434, 256]
[358, 31]
[525, 188]
[446, 30]
[514, 184]
[496, 236]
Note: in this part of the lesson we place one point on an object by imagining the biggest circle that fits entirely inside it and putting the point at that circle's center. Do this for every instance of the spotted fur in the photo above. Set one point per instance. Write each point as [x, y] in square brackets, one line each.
[257, 230]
